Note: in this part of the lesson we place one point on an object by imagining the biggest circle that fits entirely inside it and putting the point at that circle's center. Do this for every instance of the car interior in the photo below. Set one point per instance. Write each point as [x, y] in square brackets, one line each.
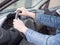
[43, 7]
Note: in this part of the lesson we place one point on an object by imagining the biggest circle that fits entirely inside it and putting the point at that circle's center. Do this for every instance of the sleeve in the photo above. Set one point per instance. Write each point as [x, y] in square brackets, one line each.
[48, 20]
[9, 37]
[54, 40]
[41, 39]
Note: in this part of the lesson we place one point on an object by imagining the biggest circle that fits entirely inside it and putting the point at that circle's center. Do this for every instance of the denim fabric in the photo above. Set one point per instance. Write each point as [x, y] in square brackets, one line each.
[48, 20]
[41, 39]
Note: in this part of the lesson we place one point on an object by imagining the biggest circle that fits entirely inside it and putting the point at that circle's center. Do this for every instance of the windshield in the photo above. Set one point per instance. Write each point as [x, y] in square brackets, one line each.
[29, 4]
[23, 3]
[1, 1]
[14, 6]
[54, 3]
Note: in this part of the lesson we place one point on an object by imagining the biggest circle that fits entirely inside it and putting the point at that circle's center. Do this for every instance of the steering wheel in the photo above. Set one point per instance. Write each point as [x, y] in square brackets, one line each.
[16, 17]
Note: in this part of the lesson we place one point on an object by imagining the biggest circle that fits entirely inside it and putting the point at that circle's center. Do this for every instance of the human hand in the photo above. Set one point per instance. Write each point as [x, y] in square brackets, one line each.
[19, 25]
[25, 12]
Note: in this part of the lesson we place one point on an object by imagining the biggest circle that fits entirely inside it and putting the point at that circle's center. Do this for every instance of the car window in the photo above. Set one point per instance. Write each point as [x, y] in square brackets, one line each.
[34, 2]
[31, 3]
[1, 1]
[24, 3]
[19, 3]
[54, 3]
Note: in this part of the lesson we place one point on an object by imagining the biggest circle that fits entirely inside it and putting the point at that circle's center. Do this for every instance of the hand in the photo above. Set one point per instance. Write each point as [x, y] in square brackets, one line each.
[25, 12]
[19, 25]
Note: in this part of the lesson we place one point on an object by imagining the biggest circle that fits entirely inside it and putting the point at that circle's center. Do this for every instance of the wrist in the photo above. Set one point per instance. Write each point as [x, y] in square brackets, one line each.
[24, 30]
[31, 14]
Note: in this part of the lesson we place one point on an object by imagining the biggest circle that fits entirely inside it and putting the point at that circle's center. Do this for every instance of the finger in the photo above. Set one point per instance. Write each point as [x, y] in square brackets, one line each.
[20, 14]
[19, 20]
[15, 20]
[20, 8]
[14, 23]
[14, 26]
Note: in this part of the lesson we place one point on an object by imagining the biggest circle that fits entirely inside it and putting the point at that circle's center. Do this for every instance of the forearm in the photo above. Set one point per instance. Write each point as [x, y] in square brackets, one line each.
[35, 37]
[41, 39]
[31, 14]
[48, 20]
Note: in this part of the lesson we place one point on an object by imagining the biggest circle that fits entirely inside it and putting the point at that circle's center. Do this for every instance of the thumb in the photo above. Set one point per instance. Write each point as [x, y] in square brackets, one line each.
[20, 14]
[19, 20]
